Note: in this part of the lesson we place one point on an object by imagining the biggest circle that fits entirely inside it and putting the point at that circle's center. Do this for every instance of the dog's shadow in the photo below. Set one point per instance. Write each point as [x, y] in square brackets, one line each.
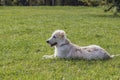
[93, 61]
[79, 63]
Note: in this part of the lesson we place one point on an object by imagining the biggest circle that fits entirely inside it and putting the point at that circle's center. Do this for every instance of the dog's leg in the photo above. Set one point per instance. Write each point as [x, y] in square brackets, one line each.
[48, 57]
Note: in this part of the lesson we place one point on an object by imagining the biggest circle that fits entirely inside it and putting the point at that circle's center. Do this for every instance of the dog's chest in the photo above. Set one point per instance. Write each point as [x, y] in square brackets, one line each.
[62, 52]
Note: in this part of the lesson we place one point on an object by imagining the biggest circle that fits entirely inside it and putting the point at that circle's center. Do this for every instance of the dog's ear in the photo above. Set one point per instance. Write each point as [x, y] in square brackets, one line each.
[62, 34]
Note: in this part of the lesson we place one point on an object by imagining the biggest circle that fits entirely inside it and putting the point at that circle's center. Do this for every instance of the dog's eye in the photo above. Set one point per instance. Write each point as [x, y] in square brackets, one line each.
[54, 37]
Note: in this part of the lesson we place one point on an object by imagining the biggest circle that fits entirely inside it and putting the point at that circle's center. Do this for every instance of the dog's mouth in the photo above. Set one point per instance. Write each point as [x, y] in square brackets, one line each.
[53, 44]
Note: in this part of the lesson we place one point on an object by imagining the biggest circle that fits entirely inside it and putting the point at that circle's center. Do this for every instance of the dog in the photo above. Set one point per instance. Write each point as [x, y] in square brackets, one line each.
[65, 49]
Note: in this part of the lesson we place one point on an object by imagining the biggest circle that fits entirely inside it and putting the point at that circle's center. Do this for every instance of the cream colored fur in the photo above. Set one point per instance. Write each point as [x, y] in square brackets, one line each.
[65, 49]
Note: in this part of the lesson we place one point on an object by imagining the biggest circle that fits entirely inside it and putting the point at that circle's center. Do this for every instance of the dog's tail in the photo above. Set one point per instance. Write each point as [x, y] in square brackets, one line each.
[115, 55]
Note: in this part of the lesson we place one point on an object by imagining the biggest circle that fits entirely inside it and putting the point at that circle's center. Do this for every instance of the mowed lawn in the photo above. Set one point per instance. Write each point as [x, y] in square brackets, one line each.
[23, 35]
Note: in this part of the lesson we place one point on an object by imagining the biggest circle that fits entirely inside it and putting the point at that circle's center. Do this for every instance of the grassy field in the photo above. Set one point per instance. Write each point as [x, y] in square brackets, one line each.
[23, 35]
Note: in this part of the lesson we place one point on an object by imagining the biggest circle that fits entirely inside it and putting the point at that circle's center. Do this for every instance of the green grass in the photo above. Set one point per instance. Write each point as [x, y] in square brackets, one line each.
[24, 30]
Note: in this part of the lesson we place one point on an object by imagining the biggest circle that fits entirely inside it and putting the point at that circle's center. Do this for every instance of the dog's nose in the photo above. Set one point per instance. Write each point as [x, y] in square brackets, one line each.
[47, 41]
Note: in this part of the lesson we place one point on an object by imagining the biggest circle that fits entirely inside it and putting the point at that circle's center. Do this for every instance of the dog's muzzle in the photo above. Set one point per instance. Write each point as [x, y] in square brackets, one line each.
[51, 44]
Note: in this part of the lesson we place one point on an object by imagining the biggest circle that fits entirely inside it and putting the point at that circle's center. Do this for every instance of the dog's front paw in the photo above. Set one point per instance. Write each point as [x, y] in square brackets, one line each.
[48, 57]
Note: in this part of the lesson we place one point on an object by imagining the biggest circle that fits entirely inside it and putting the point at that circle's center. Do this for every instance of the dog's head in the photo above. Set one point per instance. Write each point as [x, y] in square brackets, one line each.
[57, 38]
